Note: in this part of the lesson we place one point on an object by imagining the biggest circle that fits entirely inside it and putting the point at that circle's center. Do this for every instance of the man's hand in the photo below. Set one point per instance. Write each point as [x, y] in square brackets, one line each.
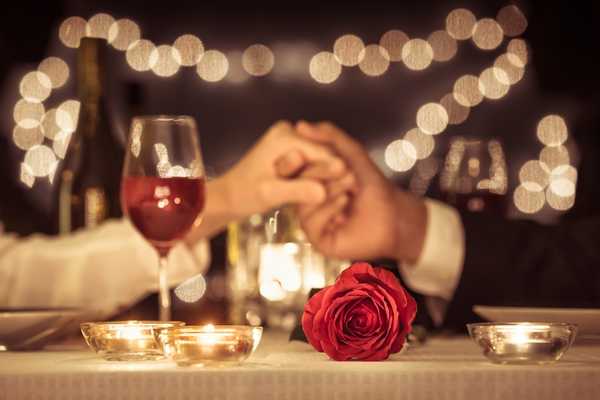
[377, 220]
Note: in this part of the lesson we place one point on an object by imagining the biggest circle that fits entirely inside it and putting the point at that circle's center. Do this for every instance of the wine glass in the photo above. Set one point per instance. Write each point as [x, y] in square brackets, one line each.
[162, 190]
[474, 176]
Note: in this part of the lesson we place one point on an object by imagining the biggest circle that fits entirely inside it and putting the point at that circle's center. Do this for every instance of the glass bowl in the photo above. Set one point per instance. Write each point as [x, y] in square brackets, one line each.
[523, 342]
[125, 340]
[209, 345]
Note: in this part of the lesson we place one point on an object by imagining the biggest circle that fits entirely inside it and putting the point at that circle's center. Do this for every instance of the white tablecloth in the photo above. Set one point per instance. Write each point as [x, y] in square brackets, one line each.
[441, 369]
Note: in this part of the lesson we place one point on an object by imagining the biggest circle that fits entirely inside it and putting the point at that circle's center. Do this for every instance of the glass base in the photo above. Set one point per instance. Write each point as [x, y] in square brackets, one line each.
[133, 356]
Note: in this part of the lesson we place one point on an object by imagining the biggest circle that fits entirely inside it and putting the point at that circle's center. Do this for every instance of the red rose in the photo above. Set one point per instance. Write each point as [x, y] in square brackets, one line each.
[365, 315]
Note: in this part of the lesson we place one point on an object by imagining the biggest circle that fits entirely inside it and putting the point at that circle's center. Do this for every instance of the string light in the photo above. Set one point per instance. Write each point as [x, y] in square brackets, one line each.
[258, 60]
[457, 113]
[71, 31]
[512, 20]
[99, 25]
[168, 61]
[123, 33]
[443, 45]
[213, 66]
[400, 155]
[552, 130]
[487, 34]
[190, 49]
[417, 54]
[432, 118]
[375, 60]
[492, 87]
[56, 70]
[348, 50]
[141, 55]
[324, 67]
[393, 41]
[460, 24]
[35, 86]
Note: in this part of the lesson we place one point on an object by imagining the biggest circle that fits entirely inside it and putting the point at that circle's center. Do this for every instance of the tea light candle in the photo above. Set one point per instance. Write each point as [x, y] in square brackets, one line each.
[126, 340]
[523, 342]
[209, 344]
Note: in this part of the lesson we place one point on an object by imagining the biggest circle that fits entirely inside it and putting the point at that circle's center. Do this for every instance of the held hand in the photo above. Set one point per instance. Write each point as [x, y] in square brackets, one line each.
[377, 220]
[268, 176]
[256, 183]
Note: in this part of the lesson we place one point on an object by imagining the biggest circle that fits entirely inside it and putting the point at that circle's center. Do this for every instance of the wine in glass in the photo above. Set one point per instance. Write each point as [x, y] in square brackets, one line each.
[474, 176]
[162, 190]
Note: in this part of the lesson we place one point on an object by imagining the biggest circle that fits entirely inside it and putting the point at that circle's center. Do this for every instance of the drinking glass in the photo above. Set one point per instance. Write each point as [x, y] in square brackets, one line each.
[162, 190]
[474, 176]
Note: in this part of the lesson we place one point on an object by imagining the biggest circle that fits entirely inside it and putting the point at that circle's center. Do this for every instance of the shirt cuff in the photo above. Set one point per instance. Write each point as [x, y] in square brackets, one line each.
[437, 271]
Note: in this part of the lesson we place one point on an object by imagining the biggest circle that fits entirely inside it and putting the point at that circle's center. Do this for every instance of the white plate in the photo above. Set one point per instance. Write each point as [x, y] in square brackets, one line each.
[587, 319]
[28, 329]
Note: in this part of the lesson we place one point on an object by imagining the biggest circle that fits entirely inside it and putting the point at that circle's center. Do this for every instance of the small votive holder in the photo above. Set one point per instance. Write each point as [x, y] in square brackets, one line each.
[523, 342]
[125, 340]
[209, 345]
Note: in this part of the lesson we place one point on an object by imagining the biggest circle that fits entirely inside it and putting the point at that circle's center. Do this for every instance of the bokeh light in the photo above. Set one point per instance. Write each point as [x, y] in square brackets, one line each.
[417, 54]
[534, 171]
[562, 187]
[512, 20]
[492, 87]
[56, 70]
[258, 60]
[423, 143]
[393, 41]
[555, 156]
[26, 138]
[444, 46]
[35, 87]
[348, 50]
[400, 155]
[375, 60]
[71, 31]
[460, 24]
[432, 118]
[123, 33]
[529, 199]
[552, 130]
[168, 61]
[61, 143]
[457, 113]
[557, 202]
[27, 114]
[49, 124]
[507, 72]
[67, 115]
[466, 91]
[213, 66]
[517, 52]
[191, 290]
[26, 175]
[564, 171]
[41, 160]
[487, 34]
[324, 67]
[99, 25]
[141, 55]
[190, 49]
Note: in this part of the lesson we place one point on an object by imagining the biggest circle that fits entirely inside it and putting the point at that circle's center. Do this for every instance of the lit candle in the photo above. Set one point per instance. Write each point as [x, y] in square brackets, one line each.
[209, 344]
[126, 340]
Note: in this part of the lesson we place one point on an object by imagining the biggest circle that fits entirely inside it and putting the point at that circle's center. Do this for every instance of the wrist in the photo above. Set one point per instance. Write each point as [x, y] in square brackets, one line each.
[410, 227]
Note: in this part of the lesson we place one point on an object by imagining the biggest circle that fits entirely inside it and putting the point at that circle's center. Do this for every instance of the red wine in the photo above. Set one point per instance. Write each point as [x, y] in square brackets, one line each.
[162, 209]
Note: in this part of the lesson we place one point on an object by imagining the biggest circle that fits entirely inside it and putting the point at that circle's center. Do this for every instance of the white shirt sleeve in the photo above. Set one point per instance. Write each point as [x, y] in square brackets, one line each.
[438, 269]
[102, 270]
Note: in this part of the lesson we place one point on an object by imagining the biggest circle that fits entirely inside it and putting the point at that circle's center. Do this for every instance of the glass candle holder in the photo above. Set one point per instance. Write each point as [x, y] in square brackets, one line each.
[523, 342]
[209, 345]
[125, 340]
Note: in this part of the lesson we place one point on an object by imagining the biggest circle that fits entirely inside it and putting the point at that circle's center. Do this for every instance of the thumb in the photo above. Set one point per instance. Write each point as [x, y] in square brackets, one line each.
[276, 192]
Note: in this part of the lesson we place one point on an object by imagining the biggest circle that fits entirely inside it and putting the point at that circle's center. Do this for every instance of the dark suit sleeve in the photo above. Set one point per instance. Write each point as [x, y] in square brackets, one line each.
[522, 263]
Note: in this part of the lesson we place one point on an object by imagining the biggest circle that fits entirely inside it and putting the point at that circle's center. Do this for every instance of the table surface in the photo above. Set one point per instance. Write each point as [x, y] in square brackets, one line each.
[446, 368]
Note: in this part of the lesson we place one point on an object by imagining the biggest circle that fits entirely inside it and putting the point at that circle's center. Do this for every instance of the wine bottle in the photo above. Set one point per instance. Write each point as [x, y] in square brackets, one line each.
[89, 184]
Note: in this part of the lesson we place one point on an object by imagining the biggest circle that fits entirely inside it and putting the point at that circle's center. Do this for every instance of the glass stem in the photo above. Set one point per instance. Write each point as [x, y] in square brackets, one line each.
[164, 299]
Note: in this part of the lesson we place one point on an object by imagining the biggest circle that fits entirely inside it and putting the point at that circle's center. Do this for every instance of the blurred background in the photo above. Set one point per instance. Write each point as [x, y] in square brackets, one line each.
[438, 91]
